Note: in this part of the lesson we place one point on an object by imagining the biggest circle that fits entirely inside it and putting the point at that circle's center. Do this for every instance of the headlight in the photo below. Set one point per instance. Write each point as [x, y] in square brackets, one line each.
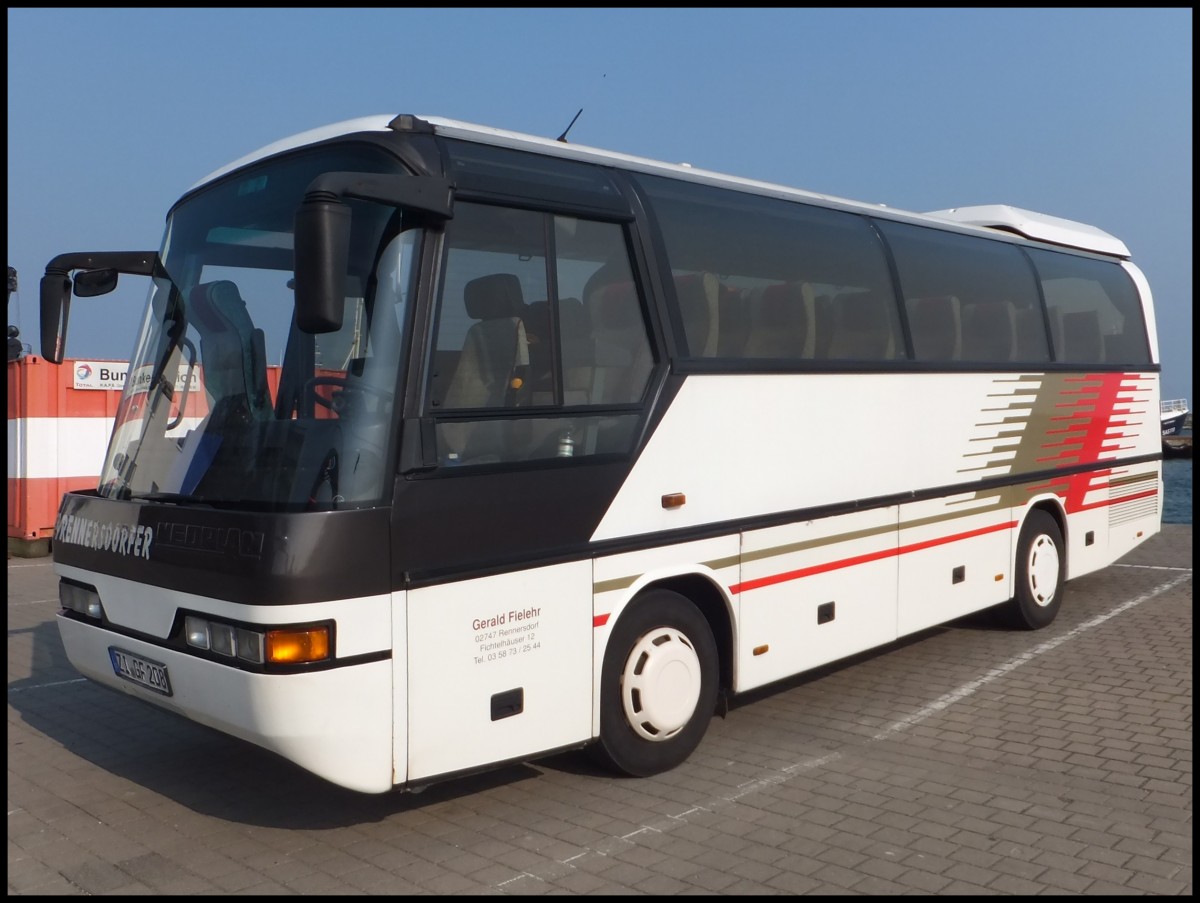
[79, 598]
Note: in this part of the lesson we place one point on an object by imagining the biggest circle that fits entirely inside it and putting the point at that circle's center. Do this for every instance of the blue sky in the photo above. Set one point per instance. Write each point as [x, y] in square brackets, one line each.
[1082, 114]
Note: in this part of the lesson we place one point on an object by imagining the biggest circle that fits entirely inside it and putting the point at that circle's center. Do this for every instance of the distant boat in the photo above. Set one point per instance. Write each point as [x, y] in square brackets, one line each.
[1174, 416]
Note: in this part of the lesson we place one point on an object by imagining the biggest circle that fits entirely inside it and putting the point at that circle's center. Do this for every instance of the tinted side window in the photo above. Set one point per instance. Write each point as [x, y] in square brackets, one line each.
[502, 172]
[771, 279]
[539, 325]
[967, 298]
[1095, 313]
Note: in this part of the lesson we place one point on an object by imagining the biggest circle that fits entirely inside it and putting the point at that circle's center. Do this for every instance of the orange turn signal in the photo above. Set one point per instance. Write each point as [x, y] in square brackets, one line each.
[293, 647]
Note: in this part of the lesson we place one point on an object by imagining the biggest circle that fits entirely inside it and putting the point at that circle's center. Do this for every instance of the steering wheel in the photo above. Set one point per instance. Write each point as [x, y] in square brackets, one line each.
[349, 388]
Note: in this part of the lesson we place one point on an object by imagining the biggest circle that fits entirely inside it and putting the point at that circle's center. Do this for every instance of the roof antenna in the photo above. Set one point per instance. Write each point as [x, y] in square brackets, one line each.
[563, 136]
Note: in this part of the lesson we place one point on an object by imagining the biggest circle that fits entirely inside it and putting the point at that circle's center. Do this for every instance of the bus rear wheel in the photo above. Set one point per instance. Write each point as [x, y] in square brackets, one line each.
[659, 686]
[1040, 571]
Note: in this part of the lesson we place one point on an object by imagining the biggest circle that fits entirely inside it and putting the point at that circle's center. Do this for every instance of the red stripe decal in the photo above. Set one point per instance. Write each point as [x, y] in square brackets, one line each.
[600, 620]
[863, 559]
[1133, 497]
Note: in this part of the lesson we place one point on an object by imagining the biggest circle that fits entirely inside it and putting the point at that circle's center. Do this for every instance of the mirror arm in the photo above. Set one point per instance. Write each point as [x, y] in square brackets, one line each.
[322, 234]
[429, 194]
[56, 289]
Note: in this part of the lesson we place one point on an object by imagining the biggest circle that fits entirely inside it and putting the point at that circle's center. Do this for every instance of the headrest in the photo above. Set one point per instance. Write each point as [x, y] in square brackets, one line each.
[865, 311]
[608, 273]
[218, 306]
[937, 306]
[495, 296]
[781, 304]
[616, 306]
[696, 289]
[991, 311]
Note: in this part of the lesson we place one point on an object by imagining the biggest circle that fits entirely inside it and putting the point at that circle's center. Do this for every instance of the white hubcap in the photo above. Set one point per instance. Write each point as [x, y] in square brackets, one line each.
[660, 684]
[1043, 570]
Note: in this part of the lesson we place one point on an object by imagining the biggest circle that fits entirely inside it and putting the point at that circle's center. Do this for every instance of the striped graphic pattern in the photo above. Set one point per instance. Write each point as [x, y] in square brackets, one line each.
[1029, 423]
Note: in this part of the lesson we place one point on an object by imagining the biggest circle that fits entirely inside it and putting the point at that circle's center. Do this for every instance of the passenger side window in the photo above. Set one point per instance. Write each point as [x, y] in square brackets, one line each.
[1095, 313]
[773, 281]
[967, 298]
[540, 339]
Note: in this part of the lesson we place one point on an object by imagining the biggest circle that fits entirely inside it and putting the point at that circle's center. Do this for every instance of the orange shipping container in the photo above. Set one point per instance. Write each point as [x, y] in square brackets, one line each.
[57, 436]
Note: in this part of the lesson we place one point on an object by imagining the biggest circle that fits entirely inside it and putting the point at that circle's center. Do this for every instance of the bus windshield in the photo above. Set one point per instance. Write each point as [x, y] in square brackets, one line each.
[227, 403]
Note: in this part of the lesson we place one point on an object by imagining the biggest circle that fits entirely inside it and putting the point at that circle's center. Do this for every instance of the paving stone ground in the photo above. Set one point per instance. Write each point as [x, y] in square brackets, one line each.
[968, 759]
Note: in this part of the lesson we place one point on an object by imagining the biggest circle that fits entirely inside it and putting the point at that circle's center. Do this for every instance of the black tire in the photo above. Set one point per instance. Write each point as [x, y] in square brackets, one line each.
[659, 686]
[1041, 567]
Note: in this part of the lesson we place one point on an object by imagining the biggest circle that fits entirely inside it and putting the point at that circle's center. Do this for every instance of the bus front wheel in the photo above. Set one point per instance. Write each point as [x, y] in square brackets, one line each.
[659, 686]
[1040, 571]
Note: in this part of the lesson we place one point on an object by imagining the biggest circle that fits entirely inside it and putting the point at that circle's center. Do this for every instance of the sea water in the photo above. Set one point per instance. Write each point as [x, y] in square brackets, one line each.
[1177, 490]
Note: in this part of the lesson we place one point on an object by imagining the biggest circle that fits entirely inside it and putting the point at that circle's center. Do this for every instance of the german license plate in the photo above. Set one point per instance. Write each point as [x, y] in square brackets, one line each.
[143, 672]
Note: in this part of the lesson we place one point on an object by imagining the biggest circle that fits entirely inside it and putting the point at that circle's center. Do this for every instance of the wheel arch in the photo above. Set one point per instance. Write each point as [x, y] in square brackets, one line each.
[708, 597]
[644, 723]
[1053, 506]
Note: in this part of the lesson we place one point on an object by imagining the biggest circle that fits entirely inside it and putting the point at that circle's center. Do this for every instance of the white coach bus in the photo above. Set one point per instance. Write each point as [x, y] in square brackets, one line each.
[444, 446]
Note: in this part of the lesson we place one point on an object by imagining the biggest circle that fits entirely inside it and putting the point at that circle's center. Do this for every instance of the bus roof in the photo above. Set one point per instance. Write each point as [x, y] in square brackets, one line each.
[1040, 226]
[1027, 223]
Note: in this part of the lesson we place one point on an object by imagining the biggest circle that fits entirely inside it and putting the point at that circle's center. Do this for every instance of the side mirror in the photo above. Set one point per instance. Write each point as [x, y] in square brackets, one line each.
[90, 283]
[56, 306]
[97, 276]
[322, 238]
[322, 251]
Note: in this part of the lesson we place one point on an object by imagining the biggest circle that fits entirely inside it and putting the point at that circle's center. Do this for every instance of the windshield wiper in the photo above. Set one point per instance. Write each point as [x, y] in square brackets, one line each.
[178, 498]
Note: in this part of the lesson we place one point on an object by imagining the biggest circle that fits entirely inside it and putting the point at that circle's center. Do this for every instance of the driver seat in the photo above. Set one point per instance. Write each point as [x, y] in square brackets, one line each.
[491, 369]
[232, 350]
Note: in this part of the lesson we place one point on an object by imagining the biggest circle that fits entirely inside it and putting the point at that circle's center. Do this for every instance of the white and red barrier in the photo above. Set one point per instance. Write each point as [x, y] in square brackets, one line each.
[59, 421]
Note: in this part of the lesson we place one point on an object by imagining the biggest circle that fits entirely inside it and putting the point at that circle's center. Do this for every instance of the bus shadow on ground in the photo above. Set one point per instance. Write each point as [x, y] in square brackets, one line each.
[217, 775]
[202, 769]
